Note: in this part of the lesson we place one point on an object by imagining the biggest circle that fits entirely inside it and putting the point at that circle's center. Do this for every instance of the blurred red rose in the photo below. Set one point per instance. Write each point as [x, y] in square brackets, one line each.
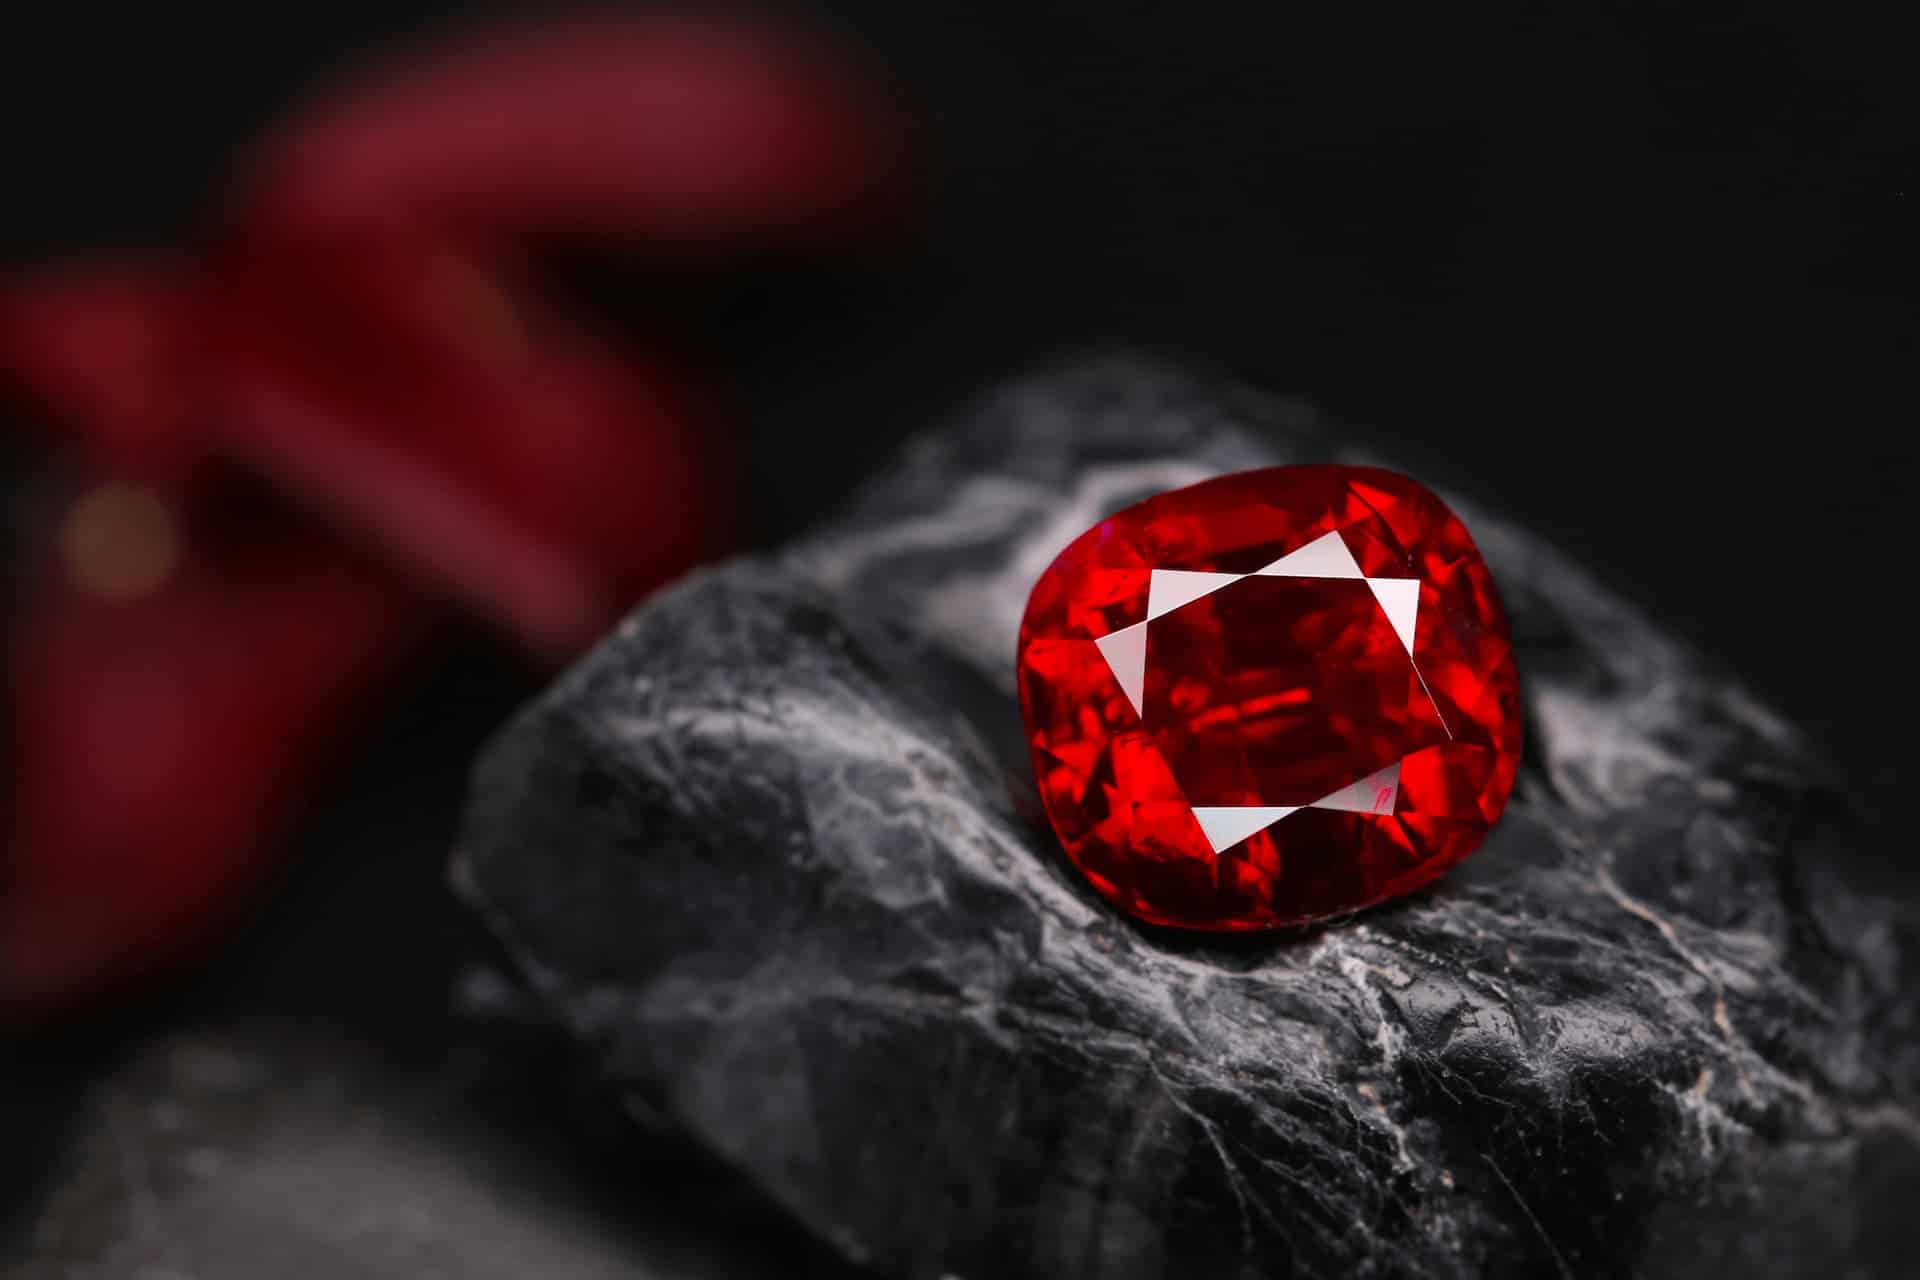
[359, 403]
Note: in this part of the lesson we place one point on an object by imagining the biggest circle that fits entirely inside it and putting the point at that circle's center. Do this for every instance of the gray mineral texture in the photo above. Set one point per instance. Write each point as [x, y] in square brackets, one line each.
[768, 854]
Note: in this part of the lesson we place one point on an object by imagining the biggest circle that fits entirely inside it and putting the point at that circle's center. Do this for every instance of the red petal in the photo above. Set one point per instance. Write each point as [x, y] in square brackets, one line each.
[694, 131]
[158, 741]
[100, 354]
[493, 447]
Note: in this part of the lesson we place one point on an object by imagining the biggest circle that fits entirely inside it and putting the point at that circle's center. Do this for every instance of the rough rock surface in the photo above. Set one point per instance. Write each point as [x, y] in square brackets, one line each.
[276, 1149]
[769, 854]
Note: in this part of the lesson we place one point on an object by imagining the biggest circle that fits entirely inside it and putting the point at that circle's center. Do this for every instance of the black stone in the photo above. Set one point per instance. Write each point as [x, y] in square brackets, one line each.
[769, 855]
[277, 1149]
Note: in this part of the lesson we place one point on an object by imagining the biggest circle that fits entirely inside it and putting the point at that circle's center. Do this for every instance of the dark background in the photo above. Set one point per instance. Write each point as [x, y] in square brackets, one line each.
[1639, 274]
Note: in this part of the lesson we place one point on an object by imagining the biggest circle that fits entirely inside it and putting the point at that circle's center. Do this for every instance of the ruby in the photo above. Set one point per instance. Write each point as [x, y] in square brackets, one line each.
[1270, 698]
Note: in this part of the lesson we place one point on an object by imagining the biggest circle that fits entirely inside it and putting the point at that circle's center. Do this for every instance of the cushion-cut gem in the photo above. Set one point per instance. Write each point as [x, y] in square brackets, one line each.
[1270, 698]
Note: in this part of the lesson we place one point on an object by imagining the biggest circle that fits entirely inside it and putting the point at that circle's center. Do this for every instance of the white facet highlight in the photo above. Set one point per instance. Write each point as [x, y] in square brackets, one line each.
[1375, 793]
[1400, 597]
[1126, 652]
[1325, 557]
[1228, 825]
[1168, 589]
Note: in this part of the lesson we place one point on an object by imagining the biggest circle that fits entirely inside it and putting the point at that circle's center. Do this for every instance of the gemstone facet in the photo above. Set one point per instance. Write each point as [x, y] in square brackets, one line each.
[1270, 698]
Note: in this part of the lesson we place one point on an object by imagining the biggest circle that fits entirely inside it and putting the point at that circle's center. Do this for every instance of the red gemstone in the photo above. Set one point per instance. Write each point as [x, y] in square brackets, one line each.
[1270, 698]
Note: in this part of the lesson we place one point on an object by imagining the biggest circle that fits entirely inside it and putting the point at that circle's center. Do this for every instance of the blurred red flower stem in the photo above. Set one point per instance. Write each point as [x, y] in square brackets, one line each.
[355, 407]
